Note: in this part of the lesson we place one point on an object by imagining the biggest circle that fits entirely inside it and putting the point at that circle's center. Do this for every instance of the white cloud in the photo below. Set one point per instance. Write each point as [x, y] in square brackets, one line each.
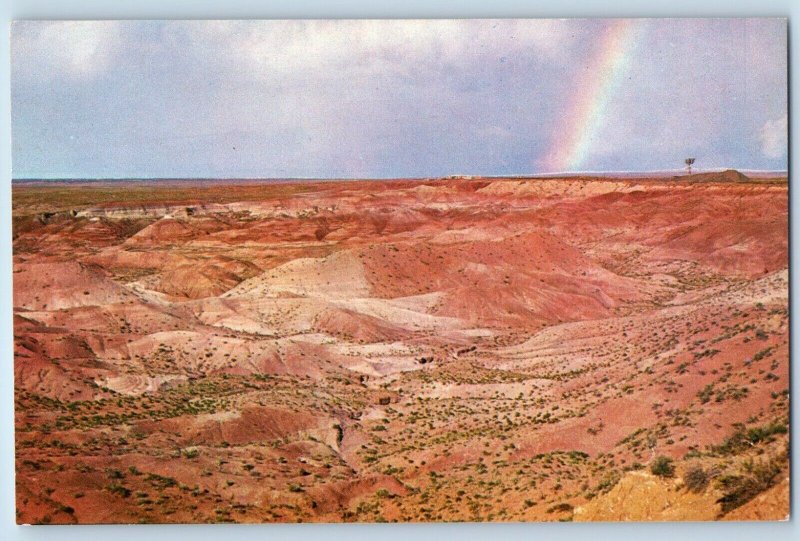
[77, 48]
[271, 48]
[774, 137]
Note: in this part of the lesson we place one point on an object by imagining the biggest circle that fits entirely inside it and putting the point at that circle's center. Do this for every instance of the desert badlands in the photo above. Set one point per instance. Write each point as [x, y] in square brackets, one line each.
[479, 349]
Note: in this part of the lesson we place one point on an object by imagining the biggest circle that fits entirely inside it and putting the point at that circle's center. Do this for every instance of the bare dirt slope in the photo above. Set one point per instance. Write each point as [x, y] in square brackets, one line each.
[487, 349]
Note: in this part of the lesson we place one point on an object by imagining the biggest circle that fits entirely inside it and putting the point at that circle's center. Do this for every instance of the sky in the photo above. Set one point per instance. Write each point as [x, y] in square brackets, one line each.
[374, 99]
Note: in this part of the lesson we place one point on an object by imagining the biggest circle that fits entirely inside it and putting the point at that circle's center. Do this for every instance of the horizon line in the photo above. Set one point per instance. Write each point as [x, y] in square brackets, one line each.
[453, 176]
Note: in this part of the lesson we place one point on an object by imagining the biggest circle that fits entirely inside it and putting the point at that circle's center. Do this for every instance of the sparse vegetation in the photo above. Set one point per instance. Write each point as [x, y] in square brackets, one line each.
[662, 466]
[696, 478]
[216, 365]
[755, 478]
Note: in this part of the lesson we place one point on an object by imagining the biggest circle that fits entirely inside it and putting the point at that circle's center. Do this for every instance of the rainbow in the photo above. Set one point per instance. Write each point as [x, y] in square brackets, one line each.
[593, 89]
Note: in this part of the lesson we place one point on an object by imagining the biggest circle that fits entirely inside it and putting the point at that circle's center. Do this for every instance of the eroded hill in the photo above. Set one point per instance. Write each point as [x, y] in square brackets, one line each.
[488, 349]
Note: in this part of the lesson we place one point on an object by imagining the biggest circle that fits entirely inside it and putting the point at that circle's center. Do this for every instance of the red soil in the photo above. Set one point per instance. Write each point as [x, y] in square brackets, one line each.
[490, 349]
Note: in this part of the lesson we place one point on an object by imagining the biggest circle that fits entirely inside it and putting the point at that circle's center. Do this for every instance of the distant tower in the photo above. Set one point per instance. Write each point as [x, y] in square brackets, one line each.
[689, 162]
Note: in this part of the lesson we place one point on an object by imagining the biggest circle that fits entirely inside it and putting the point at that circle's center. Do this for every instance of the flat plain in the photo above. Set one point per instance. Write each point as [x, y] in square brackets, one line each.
[461, 349]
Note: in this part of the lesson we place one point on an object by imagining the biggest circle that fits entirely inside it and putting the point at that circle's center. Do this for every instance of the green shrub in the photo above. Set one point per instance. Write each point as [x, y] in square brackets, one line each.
[743, 439]
[705, 394]
[116, 488]
[696, 478]
[740, 489]
[663, 467]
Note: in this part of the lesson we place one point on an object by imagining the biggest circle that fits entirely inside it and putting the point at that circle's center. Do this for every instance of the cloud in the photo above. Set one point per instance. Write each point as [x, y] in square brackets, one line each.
[380, 98]
[323, 49]
[774, 137]
[699, 88]
[75, 48]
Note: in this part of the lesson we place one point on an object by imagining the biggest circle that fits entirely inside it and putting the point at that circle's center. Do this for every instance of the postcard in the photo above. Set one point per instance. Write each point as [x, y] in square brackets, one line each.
[513, 270]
